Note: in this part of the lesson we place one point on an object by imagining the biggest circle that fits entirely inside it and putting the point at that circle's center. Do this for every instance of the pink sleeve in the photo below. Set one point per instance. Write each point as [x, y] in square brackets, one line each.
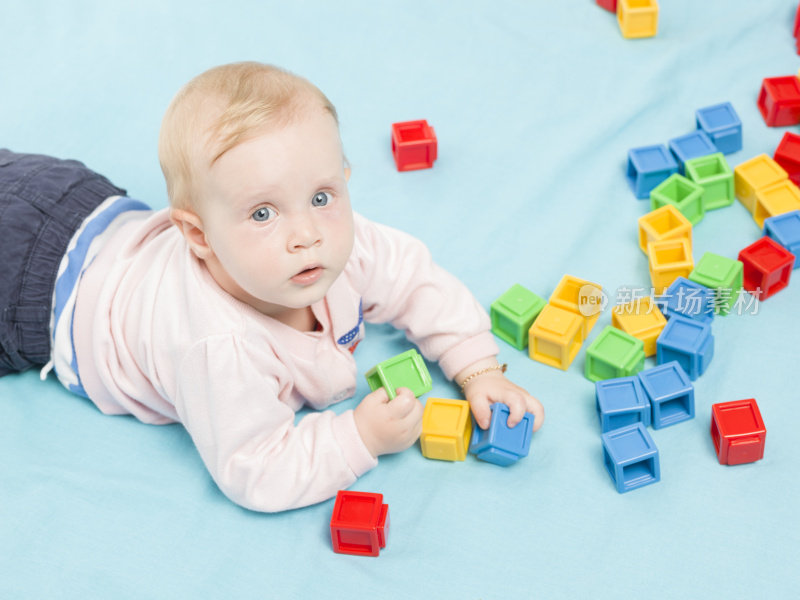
[227, 399]
[403, 286]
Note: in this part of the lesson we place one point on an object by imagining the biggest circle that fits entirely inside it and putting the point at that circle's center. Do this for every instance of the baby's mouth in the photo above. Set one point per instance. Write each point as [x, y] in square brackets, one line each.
[308, 275]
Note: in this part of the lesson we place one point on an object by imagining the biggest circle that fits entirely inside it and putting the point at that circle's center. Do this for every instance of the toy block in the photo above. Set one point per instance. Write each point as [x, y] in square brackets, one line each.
[446, 429]
[787, 155]
[691, 145]
[414, 145]
[637, 18]
[609, 5]
[642, 319]
[404, 370]
[631, 457]
[689, 299]
[581, 297]
[774, 200]
[665, 223]
[738, 432]
[668, 260]
[722, 275]
[688, 342]
[670, 392]
[759, 172]
[555, 337]
[612, 354]
[713, 174]
[621, 402]
[721, 123]
[500, 444]
[681, 193]
[796, 28]
[767, 267]
[359, 524]
[779, 101]
[513, 313]
[647, 167]
[785, 229]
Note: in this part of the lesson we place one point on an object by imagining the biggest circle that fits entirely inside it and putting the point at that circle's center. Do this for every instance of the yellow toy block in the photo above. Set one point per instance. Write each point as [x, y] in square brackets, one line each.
[776, 200]
[555, 336]
[669, 259]
[580, 297]
[641, 319]
[754, 174]
[637, 18]
[446, 429]
[665, 223]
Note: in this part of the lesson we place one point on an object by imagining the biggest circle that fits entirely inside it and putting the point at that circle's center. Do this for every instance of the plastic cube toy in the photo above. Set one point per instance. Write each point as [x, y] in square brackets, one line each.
[404, 370]
[665, 223]
[738, 432]
[779, 101]
[612, 354]
[683, 194]
[513, 313]
[359, 524]
[621, 402]
[414, 145]
[689, 299]
[691, 145]
[721, 274]
[787, 155]
[713, 174]
[581, 297]
[555, 337]
[446, 429]
[721, 123]
[670, 392]
[785, 229]
[647, 167]
[774, 200]
[642, 319]
[752, 175]
[631, 457]
[668, 260]
[500, 444]
[609, 5]
[767, 267]
[637, 18]
[688, 342]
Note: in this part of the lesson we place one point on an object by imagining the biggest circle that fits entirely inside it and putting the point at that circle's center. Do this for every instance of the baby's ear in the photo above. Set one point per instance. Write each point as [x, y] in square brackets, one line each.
[347, 173]
[191, 226]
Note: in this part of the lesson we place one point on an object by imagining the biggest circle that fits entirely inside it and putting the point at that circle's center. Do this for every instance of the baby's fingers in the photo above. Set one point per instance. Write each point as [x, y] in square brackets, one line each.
[482, 412]
[403, 403]
[516, 408]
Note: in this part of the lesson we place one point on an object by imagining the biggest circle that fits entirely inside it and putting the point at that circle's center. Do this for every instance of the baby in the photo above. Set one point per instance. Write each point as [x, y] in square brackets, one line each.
[241, 302]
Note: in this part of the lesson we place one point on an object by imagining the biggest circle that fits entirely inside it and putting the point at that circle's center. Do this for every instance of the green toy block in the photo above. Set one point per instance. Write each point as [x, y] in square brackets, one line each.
[404, 370]
[513, 313]
[723, 275]
[683, 194]
[614, 353]
[713, 174]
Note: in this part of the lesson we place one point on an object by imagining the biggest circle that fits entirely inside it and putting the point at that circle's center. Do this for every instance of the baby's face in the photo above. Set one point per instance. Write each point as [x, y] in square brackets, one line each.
[276, 214]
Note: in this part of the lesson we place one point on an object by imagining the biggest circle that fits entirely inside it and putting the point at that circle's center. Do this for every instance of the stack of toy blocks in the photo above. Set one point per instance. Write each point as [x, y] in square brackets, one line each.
[359, 524]
[779, 101]
[787, 155]
[513, 313]
[721, 274]
[500, 444]
[668, 260]
[642, 319]
[688, 299]
[767, 267]
[631, 457]
[688, 342]
[637, 18]
[738, 432]
[414, 145]
[446, 429]
[612, 354]
[404, 370]
[785, 229]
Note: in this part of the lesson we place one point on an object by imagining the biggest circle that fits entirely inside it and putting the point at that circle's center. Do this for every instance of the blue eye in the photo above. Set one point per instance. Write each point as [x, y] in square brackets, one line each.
[262, 214]
[320, 199]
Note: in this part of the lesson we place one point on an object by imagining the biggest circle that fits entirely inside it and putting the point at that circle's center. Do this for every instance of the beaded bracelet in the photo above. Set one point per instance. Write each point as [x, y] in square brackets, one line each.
[502, 368]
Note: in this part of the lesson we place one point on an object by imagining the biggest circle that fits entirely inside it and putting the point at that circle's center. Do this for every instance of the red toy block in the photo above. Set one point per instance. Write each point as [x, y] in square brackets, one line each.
[359, 524]
[767, 267]
[796, 29]
[738, 432]
[779, 101]
[609, 5]
[413, 145]
[787, 155]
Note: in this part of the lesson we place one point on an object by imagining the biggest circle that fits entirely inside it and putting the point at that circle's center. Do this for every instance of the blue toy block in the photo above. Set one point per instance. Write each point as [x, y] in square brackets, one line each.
[688, 342]
[621, 402]
[631, 457]
[670, 392]
[498, 444]
[689, 299]
[647, 167]
[721, 123]
[785, 229]
[691, 145]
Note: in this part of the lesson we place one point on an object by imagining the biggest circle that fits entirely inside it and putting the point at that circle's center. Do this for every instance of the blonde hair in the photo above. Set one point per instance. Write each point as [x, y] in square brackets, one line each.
[221, 108]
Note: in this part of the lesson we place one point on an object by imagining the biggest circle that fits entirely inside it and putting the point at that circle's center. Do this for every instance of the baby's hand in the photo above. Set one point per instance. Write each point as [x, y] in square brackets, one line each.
[389, 426]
